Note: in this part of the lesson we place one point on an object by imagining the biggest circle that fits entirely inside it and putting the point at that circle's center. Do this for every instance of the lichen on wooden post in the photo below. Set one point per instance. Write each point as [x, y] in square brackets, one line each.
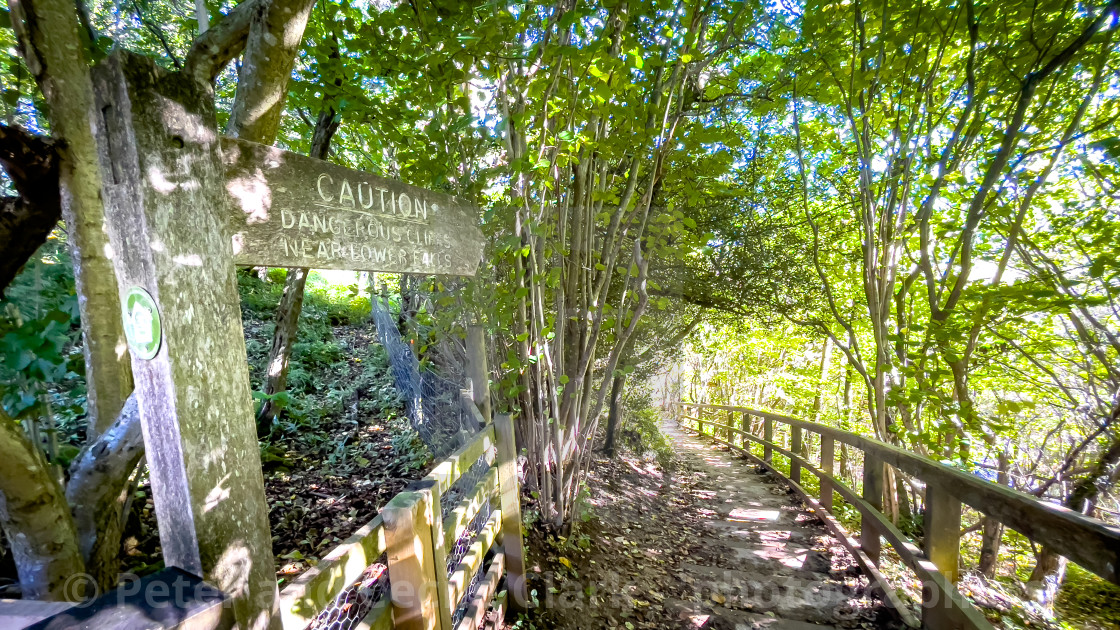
[168, 231]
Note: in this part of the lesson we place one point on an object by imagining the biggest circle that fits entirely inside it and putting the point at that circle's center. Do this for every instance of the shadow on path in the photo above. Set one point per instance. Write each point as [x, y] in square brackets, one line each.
[710, 543]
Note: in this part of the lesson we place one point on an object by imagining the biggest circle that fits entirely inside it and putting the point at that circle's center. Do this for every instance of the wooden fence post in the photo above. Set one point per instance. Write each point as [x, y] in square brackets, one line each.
[768, 435]
[873, 494]
[795, 448]
[828, 462]
[700, 420]
[167, 219]
[444, 604]
[943, 530]
[511, 513]
[478, 370]
[746, 426]
[414, 589]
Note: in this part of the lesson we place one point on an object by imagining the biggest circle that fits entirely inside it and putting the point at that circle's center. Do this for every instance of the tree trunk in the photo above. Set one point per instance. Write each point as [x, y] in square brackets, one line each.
[291, 303]
[826, 355]
[56, 55]
[283, 338]
[262, 84]
[98, 492]
[614, 412]
[992, 530]
[36, 520]
[1050, 568]
[266, 66]
[27, 220]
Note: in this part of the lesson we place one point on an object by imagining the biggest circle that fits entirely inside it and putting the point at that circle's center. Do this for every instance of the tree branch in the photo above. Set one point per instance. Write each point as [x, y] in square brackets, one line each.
[26, 221]
[222, 42]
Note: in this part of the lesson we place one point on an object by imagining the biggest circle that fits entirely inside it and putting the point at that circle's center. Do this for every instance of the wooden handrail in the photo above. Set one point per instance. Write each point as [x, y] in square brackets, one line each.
[1086, 541]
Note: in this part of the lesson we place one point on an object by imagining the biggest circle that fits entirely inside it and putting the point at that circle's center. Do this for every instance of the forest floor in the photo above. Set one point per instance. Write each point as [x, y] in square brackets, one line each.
[703, 543]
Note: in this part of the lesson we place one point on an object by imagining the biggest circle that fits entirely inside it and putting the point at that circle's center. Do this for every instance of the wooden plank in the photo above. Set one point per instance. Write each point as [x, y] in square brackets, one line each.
[746, 428]
[467, 400]
[943, 530]
[290, 210]
[412, 572]
[441, 478]
[511, 513]
[171, 599]
[306, 596]
[478, 370]
[1089, 542]
[828, 464]
[167, 226]
[481, 602]
[458, 463]
[873, 478]
[462, 575]
[16, 614]
[439, 556]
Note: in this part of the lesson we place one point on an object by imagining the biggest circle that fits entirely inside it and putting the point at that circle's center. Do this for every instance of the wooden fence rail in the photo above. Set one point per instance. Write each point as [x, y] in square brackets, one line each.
[1086, 541]
[417, 539]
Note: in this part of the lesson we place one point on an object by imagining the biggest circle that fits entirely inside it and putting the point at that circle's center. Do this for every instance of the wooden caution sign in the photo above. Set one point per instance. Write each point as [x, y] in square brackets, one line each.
[291, 210]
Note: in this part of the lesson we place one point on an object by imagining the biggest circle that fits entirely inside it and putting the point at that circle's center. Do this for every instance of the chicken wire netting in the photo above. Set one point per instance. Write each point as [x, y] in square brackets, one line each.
[434, 408]
[353, 604]
[456, 554]
[463, 486]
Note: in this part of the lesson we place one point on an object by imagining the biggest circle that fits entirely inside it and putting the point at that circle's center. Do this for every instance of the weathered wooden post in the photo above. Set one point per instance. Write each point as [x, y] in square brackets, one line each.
[873, 473]
[511, 513]
[700, 420]
[478, 370]
[168, 228]
[768, 436]
[745, 424]
[943, 530]
[828, 463]
[408, 519]
[795, 448]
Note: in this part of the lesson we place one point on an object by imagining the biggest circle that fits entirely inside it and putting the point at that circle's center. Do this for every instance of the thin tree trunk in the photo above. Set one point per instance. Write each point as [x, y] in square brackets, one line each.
[98, 493]
[826, 355]
[614, 412]
[55, 54]
[291, 303]
[992, 530]
[1050, 568]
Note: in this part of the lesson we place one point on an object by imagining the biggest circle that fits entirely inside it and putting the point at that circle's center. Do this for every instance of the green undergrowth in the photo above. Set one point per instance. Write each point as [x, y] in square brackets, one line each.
[339, 375]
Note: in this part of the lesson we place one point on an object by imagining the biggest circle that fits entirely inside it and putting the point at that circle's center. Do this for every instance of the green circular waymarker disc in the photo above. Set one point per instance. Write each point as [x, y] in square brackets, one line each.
[141, 324]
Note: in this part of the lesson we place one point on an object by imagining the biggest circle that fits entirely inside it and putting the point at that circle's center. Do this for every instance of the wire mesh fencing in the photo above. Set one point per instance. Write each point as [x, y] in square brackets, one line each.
[356, 601]
[434, 407]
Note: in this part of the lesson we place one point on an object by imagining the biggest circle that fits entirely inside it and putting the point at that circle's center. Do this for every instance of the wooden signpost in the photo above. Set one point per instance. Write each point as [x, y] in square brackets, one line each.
[289, 210]
[185, 206]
